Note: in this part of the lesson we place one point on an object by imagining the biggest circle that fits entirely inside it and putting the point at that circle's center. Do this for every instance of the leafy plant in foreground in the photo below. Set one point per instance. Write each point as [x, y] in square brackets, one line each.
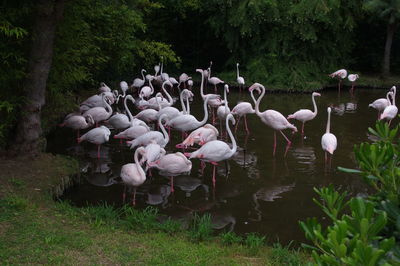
[201, 228]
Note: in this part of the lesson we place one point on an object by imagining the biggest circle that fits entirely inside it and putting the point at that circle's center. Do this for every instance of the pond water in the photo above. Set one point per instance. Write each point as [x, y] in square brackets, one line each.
[255, 191]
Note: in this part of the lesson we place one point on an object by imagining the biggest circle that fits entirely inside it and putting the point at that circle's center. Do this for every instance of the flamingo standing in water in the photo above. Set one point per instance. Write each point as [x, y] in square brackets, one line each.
[133, 175]
[328, 140]
[223, 111]
[171, 165]
[104, 88]
[390, 111]
[340, 74]
[242, 109]
[214, 80]
[215, 99]
[124, 87]
[216, 150]
[100, 113]
[152, 137]
[352, 78]
[98, 136]
[137, 82]
[305, 115]
[381, 103]
[239, 79]
[200, 136]
[271, 118]
[77, 122]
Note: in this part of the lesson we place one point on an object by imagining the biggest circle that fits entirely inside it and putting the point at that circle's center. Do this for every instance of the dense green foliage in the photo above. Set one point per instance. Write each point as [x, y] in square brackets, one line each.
[364, 231]
[283, 44]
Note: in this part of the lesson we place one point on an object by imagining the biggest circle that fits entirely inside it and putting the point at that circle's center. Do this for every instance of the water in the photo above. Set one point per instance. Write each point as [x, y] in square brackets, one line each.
[255, 192]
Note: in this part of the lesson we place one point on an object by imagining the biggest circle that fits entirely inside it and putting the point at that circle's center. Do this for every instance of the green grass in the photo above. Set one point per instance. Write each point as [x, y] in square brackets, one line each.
[35, 229]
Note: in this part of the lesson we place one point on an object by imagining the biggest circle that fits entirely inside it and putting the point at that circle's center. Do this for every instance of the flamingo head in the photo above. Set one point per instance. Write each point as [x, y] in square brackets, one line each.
[316, 94]
[255, 86]
[199, 70]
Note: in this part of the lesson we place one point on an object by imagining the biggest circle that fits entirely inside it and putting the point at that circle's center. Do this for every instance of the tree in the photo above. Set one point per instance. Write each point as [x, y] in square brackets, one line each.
[48, 14]
[389, 10]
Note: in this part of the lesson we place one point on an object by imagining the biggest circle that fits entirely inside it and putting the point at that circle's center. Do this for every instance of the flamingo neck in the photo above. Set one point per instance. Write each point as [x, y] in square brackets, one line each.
[138, 165]
[257, 103]
[202, 85]
[315, 105]
[202, 122]
[182, 103]
[127, 109]
[107, 106]
[165, 133]
[143, 74]
[237, 70]
[394, 96]
[228, 129]
[328, 124]
[170, 100]
[158, 103]
[187, 106]
[226, 101]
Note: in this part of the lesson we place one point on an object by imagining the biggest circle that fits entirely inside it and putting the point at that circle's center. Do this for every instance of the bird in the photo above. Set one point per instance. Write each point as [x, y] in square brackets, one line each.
[124, 87]
[98, 136]
[390, 111]
[152, 137]
[239, 79]
[271, 118]
[78, 122]
[104, 88]
[146, 91]
[381, 103]
[137, 82]
[352, 78]
[133, 132]
[223, 111]
[214, 99]
[171, 165]
[214, 80]
[100, 113]
[183, 78]
[216, 150]
[122, 121]
[242, 109]
[147, 115]
[152, 152]
[152, 102]
[200, 136]
[96, 101]
[133, 175]
[340, 74]
[304, 115]
[328, 140]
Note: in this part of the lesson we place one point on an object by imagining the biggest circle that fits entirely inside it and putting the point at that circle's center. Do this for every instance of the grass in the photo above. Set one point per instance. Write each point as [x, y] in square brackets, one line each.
[35, 229]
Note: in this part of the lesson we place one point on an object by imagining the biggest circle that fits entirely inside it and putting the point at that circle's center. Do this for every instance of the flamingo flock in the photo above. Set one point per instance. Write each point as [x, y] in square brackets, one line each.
[148, 131]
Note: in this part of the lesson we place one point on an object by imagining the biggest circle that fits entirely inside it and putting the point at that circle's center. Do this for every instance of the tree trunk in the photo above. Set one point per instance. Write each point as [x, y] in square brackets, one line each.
[29, 130]
[391, 28]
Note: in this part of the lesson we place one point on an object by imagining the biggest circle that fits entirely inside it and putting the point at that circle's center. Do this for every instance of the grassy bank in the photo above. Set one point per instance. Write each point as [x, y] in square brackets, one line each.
[37, 230]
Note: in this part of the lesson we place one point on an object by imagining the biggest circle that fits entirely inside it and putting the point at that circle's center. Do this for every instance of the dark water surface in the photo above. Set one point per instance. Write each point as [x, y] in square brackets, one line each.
[255, 192]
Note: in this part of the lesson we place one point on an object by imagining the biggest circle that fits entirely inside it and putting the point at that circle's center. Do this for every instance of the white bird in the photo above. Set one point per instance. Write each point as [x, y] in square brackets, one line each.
[223, 111]
[190, 84]
[200, 136]
[328, 140]
[147, 115]
[183, 78]
[352, 78]
[98, 136]
[214, 99]
[239, 79]
[390, 111]
[122, 121]
[304, 115]
[152, 152]
[381, 103]
[186, 95]
[151, 137]
[132, 174]
[214, 80]
[137, 82]
[152, 102]
[173, 81]
[133, 132]
[146, 91]
[77, 122]
[271, 118]
[124, 87]
[96, 101]
[172, 164]
[216, 150]
[242, 109]
[339, 74]
[100, 113]
[104, 88]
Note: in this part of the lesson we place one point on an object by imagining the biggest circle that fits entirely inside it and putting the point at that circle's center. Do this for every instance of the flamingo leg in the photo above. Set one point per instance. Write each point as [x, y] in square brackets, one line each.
[237, 124]
[98, 151]
[77, 136]
[330, 161]
[172, 184]
[213, 179]
[302, 129]
[274, 149]
[215, 88]
[326, 157]
[288, 141]
[213, 115]
[124, 195]
[245, 124]
[134, 197]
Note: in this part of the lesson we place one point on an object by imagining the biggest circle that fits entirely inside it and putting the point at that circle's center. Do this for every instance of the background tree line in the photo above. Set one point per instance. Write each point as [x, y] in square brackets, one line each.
[283, 44]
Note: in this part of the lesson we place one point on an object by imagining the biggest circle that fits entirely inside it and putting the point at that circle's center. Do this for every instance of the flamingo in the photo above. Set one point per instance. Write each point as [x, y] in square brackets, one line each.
[352, 78]
[305, 115]
[183, 78]
[340, 74]
[100, 113]
[215, 99]
[271, 118]
[223, 111]
[77, 122]
[206, 73]
[98, 136]
[152, 102]
[239, 79]
[381, 103]
[242, 109]
[122, 121]
[133, 132]
[137, 82]
[171, 165]
[190, 84]
[214, 80]
[216, 150]
[146, 91]
[186, 95]
[200, 136]
[132, 174]
[152, 137]
[124, 87]
[147, 115]
[390, 111]
[328, 140]
[96, 101]
[104, 88]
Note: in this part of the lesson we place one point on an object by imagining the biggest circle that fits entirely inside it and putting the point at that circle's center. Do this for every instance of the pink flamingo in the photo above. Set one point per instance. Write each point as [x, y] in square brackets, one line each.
[77, 122]
[104, 88]
[171, 165]
[223, 111]
[216, 150]
[271, 118]
[152, 137]
[137, 82]
[328, 140]
[242, 109]
[214, 80]
[381, 103]
[390, 111]
[200, 136]
[340, 74]
[215, 99]
[352, 78]
[133, 175]
[98, 136]
[239, 79]
[304, 115]
[100, 113]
